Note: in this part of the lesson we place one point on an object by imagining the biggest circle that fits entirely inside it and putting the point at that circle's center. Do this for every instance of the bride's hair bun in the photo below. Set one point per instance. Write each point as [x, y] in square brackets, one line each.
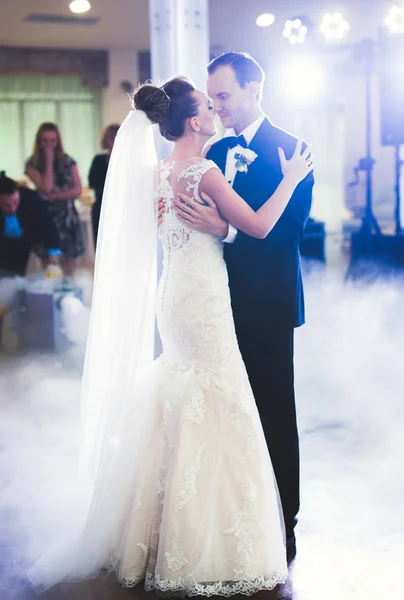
[153, 101]
[169, 106]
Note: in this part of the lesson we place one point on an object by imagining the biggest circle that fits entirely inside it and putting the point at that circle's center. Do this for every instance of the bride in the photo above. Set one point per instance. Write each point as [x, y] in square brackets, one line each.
[182, 495]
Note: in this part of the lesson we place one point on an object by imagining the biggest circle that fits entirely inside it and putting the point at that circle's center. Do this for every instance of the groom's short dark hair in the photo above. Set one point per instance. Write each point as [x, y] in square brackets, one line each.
[244, 66]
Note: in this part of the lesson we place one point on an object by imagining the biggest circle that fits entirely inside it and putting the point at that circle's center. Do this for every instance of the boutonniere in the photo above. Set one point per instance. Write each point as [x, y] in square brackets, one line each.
[244, 158]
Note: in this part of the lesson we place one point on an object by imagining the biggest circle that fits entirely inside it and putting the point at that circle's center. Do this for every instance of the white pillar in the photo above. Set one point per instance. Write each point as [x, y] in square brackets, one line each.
[179, 39]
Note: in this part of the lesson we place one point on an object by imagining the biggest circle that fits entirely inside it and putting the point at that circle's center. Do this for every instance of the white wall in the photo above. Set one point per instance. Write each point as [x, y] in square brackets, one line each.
[123, 66]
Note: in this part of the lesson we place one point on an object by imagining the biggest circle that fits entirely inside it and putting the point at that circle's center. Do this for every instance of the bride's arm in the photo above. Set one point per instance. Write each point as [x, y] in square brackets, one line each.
[237, 212]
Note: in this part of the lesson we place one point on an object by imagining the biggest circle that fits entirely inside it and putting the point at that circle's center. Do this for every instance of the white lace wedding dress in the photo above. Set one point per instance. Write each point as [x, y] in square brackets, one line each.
[208, 520]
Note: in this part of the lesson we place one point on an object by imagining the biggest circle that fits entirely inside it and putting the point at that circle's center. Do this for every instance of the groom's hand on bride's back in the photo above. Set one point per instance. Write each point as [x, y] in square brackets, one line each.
[160, 210]
[202, 217]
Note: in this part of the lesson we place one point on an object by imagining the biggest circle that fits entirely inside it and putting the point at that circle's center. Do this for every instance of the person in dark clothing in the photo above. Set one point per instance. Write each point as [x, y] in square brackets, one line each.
[25, 226]
[56, 178]
[98, 173]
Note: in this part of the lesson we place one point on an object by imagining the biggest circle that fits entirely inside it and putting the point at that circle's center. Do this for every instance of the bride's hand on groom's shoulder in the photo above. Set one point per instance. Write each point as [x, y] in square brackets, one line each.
[299, 165]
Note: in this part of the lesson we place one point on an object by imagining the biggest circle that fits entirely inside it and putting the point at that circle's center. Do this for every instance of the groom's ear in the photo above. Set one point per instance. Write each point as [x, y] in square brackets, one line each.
[254, 87]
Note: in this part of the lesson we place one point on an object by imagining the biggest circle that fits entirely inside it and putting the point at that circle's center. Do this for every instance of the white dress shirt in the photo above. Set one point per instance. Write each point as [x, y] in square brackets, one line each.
[231, 171]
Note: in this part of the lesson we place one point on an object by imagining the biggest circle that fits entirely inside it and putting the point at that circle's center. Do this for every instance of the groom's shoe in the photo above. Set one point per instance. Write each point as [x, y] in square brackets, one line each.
[290, 548]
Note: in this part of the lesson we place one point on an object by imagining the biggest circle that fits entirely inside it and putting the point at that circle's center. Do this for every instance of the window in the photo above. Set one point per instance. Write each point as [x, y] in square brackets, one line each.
[28, 101]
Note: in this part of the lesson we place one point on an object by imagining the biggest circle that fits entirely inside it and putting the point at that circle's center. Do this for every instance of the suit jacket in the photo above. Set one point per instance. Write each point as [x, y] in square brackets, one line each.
[38, 229]
[264, 275]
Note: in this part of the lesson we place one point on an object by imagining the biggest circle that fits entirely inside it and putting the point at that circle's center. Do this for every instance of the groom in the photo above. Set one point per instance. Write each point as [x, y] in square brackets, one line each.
[264, 275]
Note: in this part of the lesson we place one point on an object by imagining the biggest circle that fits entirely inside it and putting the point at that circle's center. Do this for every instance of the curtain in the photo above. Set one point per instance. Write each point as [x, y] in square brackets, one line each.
[11, 139]
[28, 101]
[80, 133]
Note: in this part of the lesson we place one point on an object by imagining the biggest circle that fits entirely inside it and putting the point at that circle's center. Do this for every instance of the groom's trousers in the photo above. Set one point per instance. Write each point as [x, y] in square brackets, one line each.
[268, 357]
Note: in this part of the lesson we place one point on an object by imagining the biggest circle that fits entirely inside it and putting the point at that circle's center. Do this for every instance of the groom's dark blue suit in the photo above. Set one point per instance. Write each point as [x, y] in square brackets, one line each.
[267, 300]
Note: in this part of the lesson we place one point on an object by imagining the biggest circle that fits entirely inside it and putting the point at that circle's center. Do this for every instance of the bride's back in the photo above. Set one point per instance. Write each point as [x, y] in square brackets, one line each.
[193, 288]
[183, 177]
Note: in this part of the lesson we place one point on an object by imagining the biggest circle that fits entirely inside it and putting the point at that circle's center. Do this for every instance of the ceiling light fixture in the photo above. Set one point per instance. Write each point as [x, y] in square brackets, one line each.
[79, 6]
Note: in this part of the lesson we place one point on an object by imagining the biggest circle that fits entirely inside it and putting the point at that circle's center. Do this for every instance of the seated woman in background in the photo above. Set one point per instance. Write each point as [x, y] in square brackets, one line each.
[98, 173]
[25, 225]
[56, 178]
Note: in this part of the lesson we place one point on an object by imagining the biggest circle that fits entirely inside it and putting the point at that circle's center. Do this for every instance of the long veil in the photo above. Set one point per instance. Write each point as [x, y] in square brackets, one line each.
[120, 350]
[121, 331]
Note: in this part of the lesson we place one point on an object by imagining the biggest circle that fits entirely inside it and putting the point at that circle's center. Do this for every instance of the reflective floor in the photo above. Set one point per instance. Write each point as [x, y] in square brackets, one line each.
[350, 390]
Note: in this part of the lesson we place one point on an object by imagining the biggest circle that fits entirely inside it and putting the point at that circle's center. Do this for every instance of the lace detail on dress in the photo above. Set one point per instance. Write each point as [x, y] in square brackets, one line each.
[243, 423]
[175, 560]
[188, 487]
[187, 586]
[173, 232]
[195, 409]
[165, 189]
[245, 530]
[195, 172]
[160, 487]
